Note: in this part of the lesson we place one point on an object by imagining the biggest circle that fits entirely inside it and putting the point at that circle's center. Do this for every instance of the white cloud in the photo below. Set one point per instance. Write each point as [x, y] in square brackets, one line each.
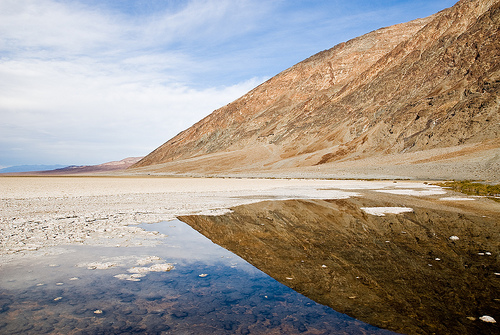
[202, 20]
[31, 25]
[71, 28]
[78, 103]
[76, 80]
[87, 81]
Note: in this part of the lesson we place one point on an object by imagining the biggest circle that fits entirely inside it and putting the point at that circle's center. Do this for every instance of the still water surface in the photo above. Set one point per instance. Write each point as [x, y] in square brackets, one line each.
[209, 291]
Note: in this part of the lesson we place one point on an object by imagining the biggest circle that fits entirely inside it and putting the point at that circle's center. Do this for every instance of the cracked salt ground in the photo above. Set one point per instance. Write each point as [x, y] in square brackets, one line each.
[185, 284]
[38, 213]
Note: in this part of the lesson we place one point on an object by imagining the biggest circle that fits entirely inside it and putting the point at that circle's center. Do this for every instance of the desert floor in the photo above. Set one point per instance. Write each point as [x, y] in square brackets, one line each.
[42, 218]
[41, 212]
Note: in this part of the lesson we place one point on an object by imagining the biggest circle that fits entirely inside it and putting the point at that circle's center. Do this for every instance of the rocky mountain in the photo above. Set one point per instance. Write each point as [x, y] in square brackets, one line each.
[418, 99]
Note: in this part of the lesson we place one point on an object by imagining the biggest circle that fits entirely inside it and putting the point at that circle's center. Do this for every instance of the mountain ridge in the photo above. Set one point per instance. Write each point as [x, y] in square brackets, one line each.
[427, 84]
[72, 169]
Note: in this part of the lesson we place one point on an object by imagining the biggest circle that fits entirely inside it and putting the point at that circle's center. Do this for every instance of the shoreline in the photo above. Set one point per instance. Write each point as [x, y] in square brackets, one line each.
[48, 217]
[39, 212]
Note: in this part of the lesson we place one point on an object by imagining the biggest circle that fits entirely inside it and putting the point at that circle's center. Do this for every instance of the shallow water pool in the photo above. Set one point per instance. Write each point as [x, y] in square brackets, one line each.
[122, 290]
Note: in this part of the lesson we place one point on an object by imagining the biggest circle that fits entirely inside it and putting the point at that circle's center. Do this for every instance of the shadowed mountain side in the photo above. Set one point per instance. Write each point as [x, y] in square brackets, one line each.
[400, 272]
[415, 87]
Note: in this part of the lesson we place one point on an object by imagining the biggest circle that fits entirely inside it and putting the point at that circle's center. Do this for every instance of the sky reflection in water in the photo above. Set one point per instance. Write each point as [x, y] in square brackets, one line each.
[210, 290]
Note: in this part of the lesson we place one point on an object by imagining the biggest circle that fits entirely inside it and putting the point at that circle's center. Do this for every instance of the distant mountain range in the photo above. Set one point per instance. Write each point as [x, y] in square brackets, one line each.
[65, 170]
[418, 99]
[26, 168]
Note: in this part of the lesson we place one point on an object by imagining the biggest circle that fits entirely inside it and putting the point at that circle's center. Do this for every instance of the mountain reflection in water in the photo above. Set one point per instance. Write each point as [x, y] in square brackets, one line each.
[210, 291]
[401, 272]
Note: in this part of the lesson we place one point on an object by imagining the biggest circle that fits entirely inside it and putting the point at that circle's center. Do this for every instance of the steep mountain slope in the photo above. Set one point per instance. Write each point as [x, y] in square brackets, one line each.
[421, 92]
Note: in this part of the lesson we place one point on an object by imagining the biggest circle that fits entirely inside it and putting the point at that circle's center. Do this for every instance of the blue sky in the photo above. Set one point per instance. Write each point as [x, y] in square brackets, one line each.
[90, 81]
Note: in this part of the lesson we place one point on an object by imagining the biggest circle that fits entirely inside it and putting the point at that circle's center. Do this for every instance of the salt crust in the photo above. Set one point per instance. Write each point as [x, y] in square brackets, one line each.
[417, 193]
[381, 211]
[37, 213]
[456, 199]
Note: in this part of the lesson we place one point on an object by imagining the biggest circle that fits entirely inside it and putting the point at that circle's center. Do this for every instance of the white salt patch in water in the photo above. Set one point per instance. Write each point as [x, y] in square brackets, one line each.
[98, 265]
[147, 260]
[130, 277]
[215, 212]
[381, 211]
[137, 272]
[417, 193]
[139, 269]
[456, 199]
[163, 267]
[487, 318]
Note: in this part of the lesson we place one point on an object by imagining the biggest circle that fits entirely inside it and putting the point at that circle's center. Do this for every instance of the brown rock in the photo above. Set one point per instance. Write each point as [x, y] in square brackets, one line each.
[429, 86]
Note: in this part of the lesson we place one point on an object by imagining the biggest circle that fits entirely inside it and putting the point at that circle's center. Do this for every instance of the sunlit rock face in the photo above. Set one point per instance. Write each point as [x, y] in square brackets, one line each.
[415, 266]
[429, 86]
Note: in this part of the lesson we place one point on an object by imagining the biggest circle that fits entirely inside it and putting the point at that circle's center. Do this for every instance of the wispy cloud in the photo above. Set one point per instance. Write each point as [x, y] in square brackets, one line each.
[80, 80]
[29, 27]
[80, 103]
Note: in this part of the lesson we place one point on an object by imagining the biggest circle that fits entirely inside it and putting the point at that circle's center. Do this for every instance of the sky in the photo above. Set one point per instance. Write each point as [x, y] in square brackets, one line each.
[85, 82]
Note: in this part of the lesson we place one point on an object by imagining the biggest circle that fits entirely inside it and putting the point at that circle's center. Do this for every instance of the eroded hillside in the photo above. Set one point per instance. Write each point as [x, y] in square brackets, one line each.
[416, 94]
